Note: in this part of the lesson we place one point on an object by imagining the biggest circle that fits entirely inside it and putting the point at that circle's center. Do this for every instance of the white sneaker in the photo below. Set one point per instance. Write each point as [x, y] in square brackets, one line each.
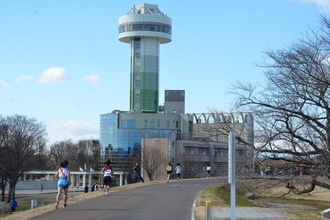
[106, 193]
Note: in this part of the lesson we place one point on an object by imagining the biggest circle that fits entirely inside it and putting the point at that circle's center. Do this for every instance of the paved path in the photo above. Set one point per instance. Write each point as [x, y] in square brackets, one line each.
[158, 201]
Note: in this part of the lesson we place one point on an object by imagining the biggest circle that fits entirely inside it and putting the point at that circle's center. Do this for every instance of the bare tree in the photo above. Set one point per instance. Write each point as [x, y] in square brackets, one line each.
[3, 160]
[64, 150]
[189, 164]
[21, 139]
[292, 109]
[153, 160]
[85, 152]
[89, 153]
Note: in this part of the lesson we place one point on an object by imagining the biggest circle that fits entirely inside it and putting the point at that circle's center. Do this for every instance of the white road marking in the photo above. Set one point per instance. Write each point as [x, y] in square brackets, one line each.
[192, 211]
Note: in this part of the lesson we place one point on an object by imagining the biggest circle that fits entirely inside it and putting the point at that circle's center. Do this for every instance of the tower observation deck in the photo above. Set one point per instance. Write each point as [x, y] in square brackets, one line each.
[144, 27]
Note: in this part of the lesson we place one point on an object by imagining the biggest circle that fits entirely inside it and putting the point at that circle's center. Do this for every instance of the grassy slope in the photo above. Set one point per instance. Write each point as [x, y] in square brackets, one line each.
[220, 196]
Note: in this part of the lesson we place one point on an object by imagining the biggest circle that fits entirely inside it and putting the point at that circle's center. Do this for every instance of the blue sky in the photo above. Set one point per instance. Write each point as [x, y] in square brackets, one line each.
[61, 61]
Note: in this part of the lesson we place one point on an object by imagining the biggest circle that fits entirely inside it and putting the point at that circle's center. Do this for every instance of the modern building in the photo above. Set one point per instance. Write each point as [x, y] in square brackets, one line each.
[207, 145]
[174, 102]
[121, 132]
[145, 27]
[194, 140]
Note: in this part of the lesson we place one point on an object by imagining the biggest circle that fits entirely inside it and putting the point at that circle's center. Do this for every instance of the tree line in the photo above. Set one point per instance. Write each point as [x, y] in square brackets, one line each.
[23, 148]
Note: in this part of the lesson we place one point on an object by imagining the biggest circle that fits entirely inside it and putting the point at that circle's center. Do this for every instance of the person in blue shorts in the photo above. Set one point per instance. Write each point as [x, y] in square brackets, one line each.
[63, 176]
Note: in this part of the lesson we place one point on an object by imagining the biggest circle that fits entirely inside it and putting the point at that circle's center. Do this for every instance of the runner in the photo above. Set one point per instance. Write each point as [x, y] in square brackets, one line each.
[63, 176]
[208, 170]
[169, 169]
[178, 171]
[137, 173]
[108, 171]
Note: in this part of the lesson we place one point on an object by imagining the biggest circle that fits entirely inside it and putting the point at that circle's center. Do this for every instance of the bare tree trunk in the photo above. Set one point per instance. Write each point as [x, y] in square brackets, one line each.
[10, 193]
[3, 190]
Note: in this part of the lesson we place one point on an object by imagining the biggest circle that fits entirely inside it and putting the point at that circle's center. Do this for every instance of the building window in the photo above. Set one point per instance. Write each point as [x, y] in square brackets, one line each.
[145, 123]
[151, 123]
[204, 151]
[191, 150]
[128, 123]
[168, 123]
[158, 123]
[222, 153]
[196, 150]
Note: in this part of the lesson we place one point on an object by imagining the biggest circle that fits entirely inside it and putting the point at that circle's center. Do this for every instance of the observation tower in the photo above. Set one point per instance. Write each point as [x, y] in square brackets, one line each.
[144, 27]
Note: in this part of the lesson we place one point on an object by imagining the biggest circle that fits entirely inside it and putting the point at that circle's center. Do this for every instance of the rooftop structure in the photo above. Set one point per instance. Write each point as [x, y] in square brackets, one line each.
[144, 27]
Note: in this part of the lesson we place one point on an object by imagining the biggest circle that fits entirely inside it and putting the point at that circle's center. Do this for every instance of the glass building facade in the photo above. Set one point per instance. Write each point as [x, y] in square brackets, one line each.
[123, 136]
[144, 77]
[145, 26]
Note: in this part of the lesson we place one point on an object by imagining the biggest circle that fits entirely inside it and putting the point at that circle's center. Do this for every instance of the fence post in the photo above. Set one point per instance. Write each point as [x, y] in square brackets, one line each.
[34, 203]
[208, 213]
[2, 205]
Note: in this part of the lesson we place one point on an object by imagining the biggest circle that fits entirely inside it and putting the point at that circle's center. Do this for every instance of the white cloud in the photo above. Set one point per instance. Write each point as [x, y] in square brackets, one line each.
[54, 74]
[4, 84]
[92, 79]
[72, 130]
[324, 4]
[24, 78]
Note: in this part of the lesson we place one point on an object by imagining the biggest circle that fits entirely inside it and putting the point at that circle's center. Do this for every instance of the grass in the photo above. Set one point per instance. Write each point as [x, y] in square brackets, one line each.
[270, 191]
[220, 196]
[44, 199]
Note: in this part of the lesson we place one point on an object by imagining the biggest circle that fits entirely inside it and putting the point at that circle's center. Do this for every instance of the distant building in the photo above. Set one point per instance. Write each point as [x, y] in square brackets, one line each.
[208, 144]
[174, 102]
[121, 132]
[145, 27]
[194, 140]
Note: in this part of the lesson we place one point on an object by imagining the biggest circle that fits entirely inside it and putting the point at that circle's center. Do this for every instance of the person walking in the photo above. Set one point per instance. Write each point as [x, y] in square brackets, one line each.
[137, 173]
[63, 176]
[13, 205]
[108, 171]
[262, 170]
[169, 169]
[178, 171]
[208, 170]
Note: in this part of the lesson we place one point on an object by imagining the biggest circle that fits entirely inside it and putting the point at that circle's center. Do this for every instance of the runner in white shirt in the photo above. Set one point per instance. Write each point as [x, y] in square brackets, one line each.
[178, 171]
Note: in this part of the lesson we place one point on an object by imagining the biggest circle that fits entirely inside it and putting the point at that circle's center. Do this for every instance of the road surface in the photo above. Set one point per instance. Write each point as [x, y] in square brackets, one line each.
[157, 201]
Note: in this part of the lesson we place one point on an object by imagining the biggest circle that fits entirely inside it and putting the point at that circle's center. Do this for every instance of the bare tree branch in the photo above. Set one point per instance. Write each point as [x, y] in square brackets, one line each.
[291, 110]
